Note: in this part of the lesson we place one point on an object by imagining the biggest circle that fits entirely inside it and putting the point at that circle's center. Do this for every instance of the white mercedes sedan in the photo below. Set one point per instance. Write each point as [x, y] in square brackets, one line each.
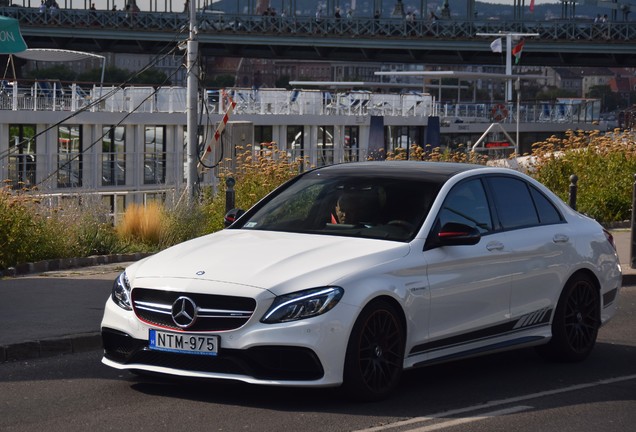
[349, 274]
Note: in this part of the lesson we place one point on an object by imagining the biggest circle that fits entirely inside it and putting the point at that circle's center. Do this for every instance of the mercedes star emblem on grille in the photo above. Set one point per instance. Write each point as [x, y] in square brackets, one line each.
[184, 312]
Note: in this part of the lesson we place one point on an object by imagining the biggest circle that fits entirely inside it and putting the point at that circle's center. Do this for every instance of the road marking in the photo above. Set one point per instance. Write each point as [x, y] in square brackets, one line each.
[460, 421]
[492, 404]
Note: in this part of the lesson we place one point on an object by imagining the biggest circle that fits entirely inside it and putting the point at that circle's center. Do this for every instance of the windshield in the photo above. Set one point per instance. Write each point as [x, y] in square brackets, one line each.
[389, 208]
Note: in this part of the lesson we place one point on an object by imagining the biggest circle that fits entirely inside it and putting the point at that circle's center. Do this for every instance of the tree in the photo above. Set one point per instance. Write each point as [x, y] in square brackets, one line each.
[282, 82]
[117, 75]
[553, 93]
[610, 101]
[220, 81]
[55, 72]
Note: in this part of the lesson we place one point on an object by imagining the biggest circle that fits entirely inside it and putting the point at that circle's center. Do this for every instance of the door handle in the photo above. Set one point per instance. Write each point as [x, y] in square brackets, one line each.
[560, 238]
[495, 246]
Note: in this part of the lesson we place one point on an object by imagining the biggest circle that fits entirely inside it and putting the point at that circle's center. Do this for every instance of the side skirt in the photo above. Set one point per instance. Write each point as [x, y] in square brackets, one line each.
[487, 349]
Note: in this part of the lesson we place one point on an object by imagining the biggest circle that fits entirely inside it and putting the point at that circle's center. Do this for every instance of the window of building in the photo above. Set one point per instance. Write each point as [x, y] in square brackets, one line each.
[113, 156]
[69, 156]
[324, 146]
[262, 137]
[296, 142]
[21, 159]
[351, 146]
[401, 138]
[117, 206]
[154, 155]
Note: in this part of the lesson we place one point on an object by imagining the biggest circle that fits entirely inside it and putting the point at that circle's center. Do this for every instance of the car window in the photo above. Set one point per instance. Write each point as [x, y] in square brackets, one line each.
[513, 202]
[287, 211]
[356, 206]
[466, 203]
[548, 213]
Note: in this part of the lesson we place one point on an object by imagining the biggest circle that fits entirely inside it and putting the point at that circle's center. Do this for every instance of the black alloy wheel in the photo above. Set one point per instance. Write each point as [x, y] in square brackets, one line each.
[375, 354]
[576, 321]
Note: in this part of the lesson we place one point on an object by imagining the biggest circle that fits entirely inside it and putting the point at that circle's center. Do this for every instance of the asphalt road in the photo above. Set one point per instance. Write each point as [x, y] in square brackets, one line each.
[53, 306]
[503, 392]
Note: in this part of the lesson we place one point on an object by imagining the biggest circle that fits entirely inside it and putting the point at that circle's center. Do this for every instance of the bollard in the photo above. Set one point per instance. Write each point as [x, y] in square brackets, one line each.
[573, 187]
[229, 194]
[632, 257]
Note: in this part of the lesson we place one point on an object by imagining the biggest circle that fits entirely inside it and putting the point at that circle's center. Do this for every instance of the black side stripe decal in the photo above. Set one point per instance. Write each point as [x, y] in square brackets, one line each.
[534, 319]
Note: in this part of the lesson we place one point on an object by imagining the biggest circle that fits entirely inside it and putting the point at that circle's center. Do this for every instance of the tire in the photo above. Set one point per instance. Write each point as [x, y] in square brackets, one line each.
[375, 353]
[576, 322]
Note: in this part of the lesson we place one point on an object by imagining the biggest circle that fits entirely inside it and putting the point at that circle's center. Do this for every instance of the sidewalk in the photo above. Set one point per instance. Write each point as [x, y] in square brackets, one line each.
[49, 313]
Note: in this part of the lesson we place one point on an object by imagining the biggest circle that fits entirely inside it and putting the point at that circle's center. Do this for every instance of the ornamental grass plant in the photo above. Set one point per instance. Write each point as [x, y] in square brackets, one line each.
[435, 154]
[256, 174]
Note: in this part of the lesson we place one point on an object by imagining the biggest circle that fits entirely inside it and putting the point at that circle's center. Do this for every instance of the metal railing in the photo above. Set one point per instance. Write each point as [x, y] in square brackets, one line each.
[305, 26]
[55, 96]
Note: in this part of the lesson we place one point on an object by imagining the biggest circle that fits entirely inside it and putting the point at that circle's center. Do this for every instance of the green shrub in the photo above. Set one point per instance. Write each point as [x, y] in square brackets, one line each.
[605, 167]
[183, 222]
[25, 234]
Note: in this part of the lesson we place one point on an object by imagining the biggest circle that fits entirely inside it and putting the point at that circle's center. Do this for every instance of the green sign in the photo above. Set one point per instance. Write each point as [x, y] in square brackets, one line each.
[10, 38]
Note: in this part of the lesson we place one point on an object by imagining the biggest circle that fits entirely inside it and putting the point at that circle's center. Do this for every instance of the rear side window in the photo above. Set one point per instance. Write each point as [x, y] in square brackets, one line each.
[520, 204]
[548, 214]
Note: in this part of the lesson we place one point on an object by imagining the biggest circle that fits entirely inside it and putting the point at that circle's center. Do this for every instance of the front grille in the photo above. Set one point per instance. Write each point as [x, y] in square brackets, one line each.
[215, 312]
[266, 362]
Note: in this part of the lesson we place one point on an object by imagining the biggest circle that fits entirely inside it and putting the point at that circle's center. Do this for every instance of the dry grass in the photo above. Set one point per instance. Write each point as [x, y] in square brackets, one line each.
[142, 224]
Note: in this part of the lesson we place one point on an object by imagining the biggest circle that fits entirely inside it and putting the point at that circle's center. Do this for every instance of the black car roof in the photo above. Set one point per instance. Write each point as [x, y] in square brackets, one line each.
[399, 169]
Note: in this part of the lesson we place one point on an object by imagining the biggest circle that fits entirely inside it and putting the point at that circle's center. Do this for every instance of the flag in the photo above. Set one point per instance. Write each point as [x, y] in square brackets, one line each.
[516, 51]
[495, 46]
[531, 5]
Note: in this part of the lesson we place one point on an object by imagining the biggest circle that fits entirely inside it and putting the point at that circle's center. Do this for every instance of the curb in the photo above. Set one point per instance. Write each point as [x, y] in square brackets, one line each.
[69, 263]
[50, 347]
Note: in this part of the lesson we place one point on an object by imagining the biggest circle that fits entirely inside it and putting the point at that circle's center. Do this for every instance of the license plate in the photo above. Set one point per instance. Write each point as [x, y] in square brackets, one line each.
[184, 343]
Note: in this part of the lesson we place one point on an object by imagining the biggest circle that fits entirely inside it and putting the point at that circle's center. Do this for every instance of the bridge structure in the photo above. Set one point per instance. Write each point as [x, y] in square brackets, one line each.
[559, 42]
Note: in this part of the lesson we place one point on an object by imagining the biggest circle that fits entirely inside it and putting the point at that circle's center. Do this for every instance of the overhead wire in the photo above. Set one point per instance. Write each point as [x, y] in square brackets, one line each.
[99, 139]
[88, 106]
[97, 101]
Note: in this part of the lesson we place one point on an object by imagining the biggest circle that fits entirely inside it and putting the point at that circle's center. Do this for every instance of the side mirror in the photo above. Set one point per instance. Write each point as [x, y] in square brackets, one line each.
[457, 234]
[232, 215]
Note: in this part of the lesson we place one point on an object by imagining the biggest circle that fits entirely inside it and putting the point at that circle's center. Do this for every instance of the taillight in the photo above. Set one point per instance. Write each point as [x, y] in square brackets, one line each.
[610, 238]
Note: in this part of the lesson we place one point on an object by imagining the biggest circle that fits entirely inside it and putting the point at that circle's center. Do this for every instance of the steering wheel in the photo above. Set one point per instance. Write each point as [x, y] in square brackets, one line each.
[402, 224]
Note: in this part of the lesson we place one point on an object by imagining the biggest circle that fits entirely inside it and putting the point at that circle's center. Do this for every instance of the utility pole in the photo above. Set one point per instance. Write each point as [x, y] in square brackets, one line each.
[192, 126]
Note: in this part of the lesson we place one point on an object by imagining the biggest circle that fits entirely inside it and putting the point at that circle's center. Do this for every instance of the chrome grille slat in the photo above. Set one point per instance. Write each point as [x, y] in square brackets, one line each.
[214, 312]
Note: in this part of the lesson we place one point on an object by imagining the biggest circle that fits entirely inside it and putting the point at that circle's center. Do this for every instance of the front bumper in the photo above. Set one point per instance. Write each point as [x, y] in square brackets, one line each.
[305, 353]
[261, 363]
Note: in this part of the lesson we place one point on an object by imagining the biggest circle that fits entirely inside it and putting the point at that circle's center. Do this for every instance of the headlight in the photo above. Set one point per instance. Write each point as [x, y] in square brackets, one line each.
[121, 292]
[302, 304]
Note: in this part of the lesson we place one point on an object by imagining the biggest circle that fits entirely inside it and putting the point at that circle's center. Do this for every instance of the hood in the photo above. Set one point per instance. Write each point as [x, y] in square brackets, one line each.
[269, 260]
